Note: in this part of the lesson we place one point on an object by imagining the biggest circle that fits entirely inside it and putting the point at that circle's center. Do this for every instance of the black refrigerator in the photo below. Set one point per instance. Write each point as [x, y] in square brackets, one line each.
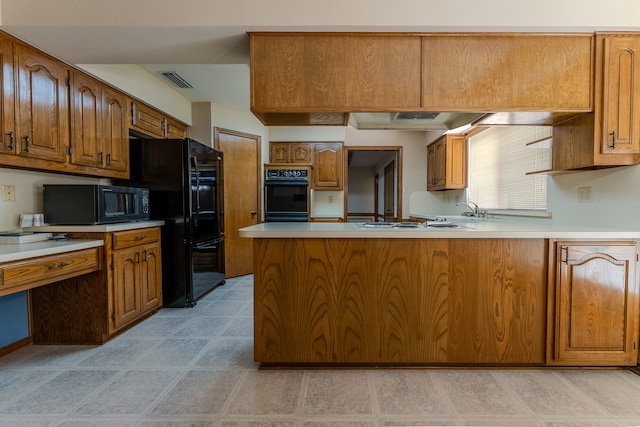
[184, 178]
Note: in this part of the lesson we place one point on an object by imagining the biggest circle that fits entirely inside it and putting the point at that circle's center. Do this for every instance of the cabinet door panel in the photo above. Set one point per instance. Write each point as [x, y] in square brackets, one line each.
[596, 304]
[126, 289]
[507, 72]
[151, 277]
[312, 73]
[147, 120]
[7, 124]
[86, 121]
[621, 98]
[42, 106]
[327, 166]
[116, 133]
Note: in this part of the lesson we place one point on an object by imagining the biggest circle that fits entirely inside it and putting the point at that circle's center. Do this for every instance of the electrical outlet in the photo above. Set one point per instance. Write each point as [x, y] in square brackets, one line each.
[330, 199]
[585, 194]
[8, 193]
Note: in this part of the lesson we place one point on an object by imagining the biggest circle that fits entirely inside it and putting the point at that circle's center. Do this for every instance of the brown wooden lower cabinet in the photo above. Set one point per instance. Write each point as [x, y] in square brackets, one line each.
[594, 304]
[400, 301]
[92, 308]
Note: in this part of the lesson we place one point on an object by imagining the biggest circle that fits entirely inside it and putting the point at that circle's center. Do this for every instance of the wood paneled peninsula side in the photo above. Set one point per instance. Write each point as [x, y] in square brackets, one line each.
[485, 293]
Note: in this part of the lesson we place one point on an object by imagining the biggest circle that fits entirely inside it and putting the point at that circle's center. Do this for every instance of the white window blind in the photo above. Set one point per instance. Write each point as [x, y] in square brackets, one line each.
[499, 159]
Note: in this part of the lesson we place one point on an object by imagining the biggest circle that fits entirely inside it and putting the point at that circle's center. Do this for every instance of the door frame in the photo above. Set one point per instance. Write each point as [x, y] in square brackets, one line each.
[216, 141]
[398, 151]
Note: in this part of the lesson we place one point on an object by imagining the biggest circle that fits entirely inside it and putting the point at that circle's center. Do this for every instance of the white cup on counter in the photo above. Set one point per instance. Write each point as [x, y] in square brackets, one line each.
[38, 220]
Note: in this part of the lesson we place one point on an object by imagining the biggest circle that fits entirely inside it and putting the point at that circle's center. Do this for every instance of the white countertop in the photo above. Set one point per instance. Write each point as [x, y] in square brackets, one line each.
[121, 226]
[19, 251]
[467, 228]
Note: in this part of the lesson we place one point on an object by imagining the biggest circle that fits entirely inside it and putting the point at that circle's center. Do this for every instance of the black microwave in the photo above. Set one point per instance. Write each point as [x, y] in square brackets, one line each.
[94, 204]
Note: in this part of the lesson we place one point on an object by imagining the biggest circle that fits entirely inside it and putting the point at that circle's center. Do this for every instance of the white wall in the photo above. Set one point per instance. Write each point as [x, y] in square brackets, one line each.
[414, 156]
[141, 84]
[616, 197]
[361, 192]
[29, 192]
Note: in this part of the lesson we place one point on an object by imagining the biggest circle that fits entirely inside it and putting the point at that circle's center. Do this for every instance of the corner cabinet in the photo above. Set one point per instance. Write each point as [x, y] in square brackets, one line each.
[610, 135]
[593, 310]
[447, 163]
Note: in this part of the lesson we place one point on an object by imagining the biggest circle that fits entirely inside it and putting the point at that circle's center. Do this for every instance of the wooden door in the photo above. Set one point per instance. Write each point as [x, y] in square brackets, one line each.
[7, 124]
[596, 305]
[389, 185]
[621, 97]
[42, 105]
[115, 130]
[86, 121]
[241, 157]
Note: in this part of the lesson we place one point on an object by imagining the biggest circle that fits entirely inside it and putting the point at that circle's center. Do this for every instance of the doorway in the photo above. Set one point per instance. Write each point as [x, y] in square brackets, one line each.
[242, 207]
[373, 183]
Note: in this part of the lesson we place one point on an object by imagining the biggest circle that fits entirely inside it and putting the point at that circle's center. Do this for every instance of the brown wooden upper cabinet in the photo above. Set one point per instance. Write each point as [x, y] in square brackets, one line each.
[42, 105]
[7, 118]
[327, 166]
[154, 123]
[296, 78]
[99, 137]
[610, 135]
[290, 152]
[507, 72]
[309, 76]
[447, 163]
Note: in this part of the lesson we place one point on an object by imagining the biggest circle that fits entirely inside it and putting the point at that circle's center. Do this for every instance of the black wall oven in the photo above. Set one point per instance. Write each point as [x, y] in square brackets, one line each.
[286, 195]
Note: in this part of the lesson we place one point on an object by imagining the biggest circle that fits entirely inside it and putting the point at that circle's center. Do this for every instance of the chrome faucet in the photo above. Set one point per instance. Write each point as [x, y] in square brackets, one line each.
[472, 206]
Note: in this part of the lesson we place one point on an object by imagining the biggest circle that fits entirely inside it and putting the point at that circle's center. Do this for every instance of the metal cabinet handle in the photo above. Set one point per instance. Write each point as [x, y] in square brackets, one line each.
[26, 143]
[136, 258]
[10, 146]
[59, 265]
[108, 159]
[613, 140]
[144, 236]
[144, 255]
[100, 157]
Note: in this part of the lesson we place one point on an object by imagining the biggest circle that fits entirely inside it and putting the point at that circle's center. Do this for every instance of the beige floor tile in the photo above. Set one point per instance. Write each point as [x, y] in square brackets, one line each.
[341, 392]
[402, 392]
[267, 392]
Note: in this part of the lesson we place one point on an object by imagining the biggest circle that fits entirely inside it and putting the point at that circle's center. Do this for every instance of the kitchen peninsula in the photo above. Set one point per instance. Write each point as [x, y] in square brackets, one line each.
[494, 292]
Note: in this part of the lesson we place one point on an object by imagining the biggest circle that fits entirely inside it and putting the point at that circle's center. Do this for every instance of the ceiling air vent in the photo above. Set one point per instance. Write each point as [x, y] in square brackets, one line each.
[176, 79]
[414, 116]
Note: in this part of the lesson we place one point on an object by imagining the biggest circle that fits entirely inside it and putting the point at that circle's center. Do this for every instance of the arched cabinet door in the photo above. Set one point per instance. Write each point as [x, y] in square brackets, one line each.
[596, 304]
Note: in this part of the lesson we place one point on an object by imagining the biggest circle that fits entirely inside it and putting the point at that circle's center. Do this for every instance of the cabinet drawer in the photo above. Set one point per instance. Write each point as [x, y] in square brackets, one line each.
[48, 269]
[126, 239]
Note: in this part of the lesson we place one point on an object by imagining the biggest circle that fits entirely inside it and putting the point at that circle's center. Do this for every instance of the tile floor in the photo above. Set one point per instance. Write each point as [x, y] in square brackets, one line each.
[194, 367]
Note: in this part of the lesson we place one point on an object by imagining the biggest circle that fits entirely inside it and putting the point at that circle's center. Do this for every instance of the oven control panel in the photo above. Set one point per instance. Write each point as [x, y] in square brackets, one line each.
[288, 174]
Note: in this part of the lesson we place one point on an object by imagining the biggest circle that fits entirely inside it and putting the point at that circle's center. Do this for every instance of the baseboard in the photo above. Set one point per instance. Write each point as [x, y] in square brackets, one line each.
[15, 346]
